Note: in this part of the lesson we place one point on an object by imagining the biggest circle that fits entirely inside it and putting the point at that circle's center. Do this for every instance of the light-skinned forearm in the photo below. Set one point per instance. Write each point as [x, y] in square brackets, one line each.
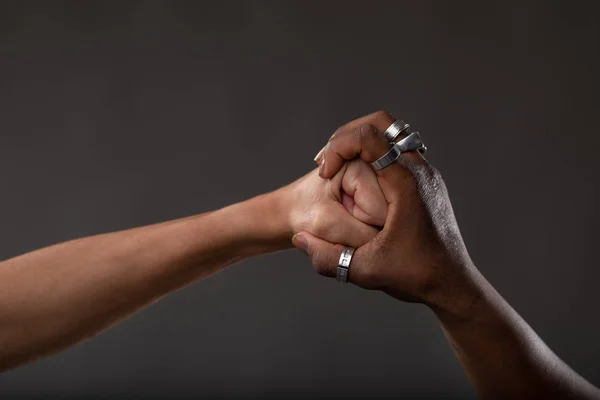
[59, 295]
[502, 355]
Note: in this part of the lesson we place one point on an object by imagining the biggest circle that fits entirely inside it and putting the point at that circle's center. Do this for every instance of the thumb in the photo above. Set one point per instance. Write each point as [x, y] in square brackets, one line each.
[324, 255]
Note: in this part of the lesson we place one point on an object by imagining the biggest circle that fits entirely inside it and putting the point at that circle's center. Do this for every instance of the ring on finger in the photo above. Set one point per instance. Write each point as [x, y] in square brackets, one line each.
[410, 143]
[344, 264]
[395, 129]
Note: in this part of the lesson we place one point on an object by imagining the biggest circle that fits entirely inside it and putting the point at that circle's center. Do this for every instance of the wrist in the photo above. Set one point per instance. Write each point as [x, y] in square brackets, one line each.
[259, 225]
[289, 205]
[277, 216]
[459, 295]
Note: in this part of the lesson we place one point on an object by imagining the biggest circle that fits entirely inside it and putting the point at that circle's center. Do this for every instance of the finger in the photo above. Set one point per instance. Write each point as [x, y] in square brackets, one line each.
[369, 144]
[364, 141]
[411, 157]
[325, 257]
[336, 225]
[379, 119]
[382, 121]
[319, 156]
[362, 195]
[349, 205]
[355, 186]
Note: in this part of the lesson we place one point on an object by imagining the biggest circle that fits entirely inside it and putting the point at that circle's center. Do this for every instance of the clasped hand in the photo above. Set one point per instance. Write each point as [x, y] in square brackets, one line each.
[400, 219]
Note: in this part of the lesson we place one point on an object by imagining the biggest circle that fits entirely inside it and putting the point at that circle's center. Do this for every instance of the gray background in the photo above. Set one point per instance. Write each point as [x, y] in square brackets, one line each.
[118, 114]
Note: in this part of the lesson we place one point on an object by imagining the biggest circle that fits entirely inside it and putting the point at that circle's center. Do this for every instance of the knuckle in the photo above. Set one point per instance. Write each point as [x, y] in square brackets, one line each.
[366, 132]
[369, 138]
[382, 115]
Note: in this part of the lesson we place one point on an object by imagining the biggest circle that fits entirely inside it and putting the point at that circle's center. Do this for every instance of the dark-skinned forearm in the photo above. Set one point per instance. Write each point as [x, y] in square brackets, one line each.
[502, 355]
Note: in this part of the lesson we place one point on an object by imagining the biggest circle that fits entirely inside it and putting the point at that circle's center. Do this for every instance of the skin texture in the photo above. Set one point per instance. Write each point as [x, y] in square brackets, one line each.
[55, 297]
[419, 256]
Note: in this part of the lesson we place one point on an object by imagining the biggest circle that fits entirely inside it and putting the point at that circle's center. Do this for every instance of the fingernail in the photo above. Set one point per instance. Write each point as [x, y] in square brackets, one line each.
[319, 155]
[322, 167]
[300, 242]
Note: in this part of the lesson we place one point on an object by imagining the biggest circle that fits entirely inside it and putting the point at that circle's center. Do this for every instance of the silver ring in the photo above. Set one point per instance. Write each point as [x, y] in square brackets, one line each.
[395, 129]
[410, 143]
[344, 264]
[387, 159]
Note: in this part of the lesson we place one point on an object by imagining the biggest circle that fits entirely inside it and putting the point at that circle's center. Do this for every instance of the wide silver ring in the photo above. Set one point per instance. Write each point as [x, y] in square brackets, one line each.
[410, 143]
[344, 264]
[395, 129]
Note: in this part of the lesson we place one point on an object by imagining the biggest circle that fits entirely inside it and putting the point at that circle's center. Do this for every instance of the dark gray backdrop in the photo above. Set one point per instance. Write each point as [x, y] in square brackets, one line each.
[118, 114]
